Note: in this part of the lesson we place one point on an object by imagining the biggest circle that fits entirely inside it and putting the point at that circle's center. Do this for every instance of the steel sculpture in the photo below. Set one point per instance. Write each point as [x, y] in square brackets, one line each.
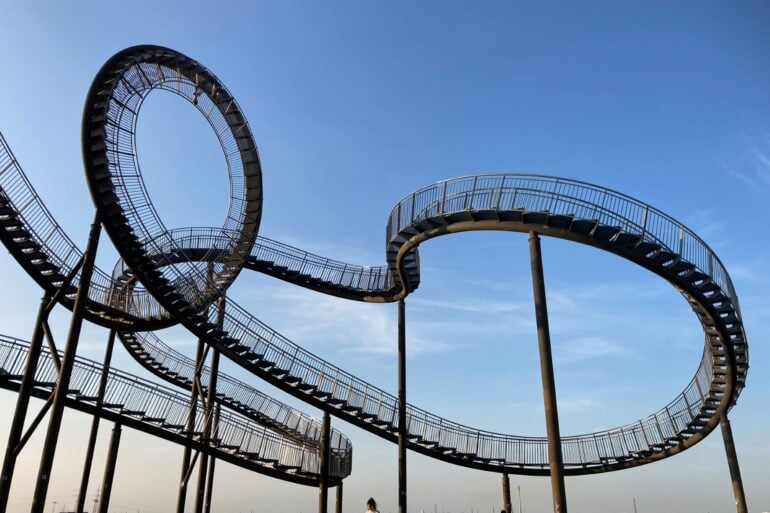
[173, 268]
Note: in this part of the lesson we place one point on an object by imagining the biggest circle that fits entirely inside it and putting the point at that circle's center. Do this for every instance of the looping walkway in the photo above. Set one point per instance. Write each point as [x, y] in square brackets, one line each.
[167, 263]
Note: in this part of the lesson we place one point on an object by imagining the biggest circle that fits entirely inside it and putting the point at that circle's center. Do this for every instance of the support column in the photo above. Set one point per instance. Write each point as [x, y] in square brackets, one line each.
[732, 462]
[208, 419]
[338, 504]
[401, 407]
[109, 468]
[506, 494]
[95, 423]
[546, 371]
[212, 462]
[62, 384]
[323, 493]
[22, 403]
[182, 497]
[212, 412]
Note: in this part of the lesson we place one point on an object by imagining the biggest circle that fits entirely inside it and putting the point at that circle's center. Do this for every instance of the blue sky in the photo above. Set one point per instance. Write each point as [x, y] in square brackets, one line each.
[354, 105]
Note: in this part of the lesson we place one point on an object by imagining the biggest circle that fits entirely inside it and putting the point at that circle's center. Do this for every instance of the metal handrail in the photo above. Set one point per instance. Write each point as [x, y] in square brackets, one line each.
[60, 250]
[280, 416]
[168, 409]
[560, 195]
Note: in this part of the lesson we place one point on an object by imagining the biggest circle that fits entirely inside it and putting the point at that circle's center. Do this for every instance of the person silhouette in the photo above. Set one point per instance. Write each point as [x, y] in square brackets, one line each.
[371, 506]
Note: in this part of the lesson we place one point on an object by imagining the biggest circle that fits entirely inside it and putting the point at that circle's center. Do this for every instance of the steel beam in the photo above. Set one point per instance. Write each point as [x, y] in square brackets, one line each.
[22, 403]
[206, 476]
[190, 428]
[325, 449]
[506, 494]
[200, 497]
[95, 423]
[212, 462]
[732, 462]
[68, 360]
[546, 371]
[109, 468]
[401, 406]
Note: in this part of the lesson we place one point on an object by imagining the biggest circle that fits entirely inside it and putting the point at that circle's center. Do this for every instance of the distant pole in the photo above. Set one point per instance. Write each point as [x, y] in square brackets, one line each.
[732, 463]
[635, 505]
[506, 493]
[519, 488]
[546, 371]
[401, 407]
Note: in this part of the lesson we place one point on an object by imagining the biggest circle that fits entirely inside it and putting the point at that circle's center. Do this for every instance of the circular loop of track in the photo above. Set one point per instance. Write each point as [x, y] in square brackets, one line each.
[115, 179]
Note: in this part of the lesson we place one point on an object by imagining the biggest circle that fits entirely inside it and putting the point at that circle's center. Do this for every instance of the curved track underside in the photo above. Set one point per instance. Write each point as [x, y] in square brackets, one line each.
[559, 208]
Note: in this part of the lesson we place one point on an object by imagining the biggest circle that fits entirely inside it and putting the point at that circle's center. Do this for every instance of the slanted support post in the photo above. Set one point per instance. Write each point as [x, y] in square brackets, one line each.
[182, 497]
[95, 423]
[22, 403]
[732, 462]
[208, 419]
[109, 469]
[401, 407]
[546, 371]
[211, 426]
[325, 449]
[212, 462]
[65, 373]
[506, 494]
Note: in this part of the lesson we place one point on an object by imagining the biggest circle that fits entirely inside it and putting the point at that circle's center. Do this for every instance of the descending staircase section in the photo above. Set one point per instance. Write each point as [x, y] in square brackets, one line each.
[282, 261]
[161, 360]
[49, 256]
[349, 281]
[163, 412]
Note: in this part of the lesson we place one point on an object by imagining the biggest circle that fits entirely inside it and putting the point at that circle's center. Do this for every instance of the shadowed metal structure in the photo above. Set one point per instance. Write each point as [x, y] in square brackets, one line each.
[163, 412]
[162, 278]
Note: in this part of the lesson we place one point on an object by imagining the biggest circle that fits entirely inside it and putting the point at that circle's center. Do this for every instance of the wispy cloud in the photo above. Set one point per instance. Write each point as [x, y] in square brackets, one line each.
[753, 167]
[325, 322]
[579, 404]
[473, 306]
[589, 348]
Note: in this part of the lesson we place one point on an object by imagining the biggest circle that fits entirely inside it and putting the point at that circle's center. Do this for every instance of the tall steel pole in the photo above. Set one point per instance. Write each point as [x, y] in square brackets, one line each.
[206, 477]
[506, 493]
[109, 468]
[68, 360]
[401, 407]
[208, 429]
[95, 423]
[546, 371]
[732, 462]
[22, 402]
[325, 449]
